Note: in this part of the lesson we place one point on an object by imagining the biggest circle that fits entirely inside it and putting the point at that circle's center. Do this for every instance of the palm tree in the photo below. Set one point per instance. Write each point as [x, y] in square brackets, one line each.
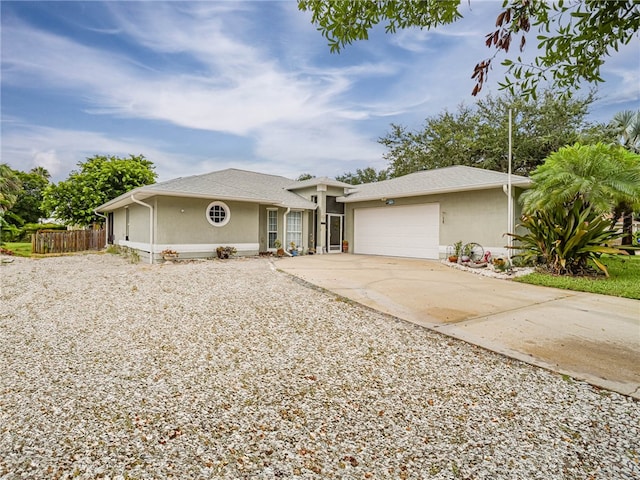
[606, 177]
[10, 187]
[626, 124]
[43, 172]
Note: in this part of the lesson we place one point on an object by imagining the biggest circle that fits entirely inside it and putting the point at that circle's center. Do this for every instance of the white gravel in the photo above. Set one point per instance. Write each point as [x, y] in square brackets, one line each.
[232, 369]
[490, 271]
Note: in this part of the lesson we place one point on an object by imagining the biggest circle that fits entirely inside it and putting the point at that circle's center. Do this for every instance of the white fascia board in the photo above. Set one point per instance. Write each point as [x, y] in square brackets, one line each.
[121, 201]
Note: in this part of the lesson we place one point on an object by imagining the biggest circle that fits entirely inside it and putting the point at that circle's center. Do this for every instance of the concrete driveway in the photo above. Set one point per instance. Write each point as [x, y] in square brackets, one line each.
[590, 337]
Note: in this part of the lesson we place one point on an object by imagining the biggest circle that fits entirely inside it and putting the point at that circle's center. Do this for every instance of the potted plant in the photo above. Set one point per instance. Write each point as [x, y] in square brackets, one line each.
[501, 264]
[292, 249]
[466, 252]
[226, 252]
[169, 254]
[278, 245]
[345, 246]
[455, 255]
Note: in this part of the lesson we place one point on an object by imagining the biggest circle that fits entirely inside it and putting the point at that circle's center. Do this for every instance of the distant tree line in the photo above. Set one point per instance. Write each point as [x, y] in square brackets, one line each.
[27, 198]
[477, 136]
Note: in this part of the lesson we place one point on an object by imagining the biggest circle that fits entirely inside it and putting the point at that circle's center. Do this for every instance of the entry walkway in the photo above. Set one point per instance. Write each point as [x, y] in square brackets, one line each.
[590, 337]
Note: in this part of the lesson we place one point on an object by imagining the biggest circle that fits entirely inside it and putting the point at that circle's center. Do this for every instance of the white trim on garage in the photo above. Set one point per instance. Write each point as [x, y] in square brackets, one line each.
[398, 230]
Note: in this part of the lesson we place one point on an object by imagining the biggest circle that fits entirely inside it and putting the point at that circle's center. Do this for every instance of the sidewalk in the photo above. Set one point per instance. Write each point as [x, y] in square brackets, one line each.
[590, 337]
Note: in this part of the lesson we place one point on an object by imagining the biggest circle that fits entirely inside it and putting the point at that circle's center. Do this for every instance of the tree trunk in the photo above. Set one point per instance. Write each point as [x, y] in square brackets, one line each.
[623, 211]
[627, 227]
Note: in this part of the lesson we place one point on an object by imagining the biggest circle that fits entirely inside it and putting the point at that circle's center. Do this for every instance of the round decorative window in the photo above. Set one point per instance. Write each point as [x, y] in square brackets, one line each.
[218, 214]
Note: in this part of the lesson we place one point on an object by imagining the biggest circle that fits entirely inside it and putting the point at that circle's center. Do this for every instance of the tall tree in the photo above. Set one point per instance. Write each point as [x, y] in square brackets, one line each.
[574, 37]
[28, 206]
[99, 179]
[41, 171]
[479, 136]
[446, 139]
[10, 187]
[364, 175]
[604, 176]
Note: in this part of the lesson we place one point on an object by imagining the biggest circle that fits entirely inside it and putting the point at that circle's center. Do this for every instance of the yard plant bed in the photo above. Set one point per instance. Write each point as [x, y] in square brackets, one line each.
[623, 281]
[209, 369]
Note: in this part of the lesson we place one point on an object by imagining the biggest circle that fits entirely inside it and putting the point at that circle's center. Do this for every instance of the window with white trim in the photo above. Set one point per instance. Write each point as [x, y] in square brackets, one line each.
[218, 214]
[294, 229]
[272, 227]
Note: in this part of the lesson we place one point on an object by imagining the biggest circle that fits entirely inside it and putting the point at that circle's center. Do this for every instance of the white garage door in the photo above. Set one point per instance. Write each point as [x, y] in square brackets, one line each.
[398, 231]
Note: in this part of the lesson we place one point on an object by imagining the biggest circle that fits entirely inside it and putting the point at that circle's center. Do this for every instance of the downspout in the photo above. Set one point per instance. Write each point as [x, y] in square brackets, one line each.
[286, 251]
[510, 194]
[135, 200]
[106, 238]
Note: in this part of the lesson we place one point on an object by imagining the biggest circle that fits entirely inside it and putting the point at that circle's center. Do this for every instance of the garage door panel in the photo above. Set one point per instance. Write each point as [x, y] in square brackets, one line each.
[403, 231]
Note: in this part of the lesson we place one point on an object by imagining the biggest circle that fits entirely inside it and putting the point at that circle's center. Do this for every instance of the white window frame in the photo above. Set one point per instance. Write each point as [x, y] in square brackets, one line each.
[294, 235]
[227, 213]
[270, 244]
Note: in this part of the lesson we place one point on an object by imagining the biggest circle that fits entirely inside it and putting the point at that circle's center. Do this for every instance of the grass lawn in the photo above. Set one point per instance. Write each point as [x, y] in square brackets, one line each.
[623, 281]
[20, 249]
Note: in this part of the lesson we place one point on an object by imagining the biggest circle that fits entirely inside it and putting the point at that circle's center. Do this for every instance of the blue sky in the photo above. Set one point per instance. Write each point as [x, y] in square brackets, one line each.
[202, 86]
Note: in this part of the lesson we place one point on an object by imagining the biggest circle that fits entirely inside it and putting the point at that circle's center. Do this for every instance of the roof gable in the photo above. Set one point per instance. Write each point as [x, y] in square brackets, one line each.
[315, 181]
[229, 184]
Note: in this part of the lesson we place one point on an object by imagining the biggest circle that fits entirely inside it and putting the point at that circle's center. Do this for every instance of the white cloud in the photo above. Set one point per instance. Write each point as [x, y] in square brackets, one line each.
[621, 91]
[246, 94]
[240, 91]
[215, 67]
[323, 148]
[59, 150]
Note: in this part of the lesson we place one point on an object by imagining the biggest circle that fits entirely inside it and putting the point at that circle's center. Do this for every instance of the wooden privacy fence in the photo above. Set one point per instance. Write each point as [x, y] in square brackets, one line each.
[64, 241]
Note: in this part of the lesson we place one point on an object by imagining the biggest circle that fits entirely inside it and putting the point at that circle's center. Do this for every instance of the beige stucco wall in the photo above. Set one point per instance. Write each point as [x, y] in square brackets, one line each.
[475, 216]
[138, 223]
[181, 224]
[184, 221]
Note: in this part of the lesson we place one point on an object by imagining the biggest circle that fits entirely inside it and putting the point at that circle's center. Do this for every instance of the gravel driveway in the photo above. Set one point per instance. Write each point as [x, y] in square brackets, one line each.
[232, 369]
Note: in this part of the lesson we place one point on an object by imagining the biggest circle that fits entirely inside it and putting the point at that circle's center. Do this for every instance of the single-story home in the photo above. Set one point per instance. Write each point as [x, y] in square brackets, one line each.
[417, 215]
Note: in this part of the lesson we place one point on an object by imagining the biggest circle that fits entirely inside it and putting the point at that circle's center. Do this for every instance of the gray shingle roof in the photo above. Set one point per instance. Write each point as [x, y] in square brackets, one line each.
[312, 182]
[429, 182]
[229, 184]
[246, 186]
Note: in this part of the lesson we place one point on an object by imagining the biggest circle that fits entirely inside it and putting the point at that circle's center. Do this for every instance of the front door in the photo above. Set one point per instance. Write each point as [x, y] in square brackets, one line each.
[334, 232]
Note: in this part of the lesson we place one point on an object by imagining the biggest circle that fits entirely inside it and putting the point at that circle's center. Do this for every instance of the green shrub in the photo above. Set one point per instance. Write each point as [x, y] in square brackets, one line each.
[10, 233]
[565, 238]
[30, 228]
[14, 233]
[113, 249]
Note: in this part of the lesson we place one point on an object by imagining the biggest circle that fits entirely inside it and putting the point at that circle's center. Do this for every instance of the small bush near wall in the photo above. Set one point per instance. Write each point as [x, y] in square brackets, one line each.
[226, 252]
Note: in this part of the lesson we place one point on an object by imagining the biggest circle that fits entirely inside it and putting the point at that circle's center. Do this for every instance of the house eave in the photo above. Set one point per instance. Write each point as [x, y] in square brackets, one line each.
[424, 193]
[142, 194]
